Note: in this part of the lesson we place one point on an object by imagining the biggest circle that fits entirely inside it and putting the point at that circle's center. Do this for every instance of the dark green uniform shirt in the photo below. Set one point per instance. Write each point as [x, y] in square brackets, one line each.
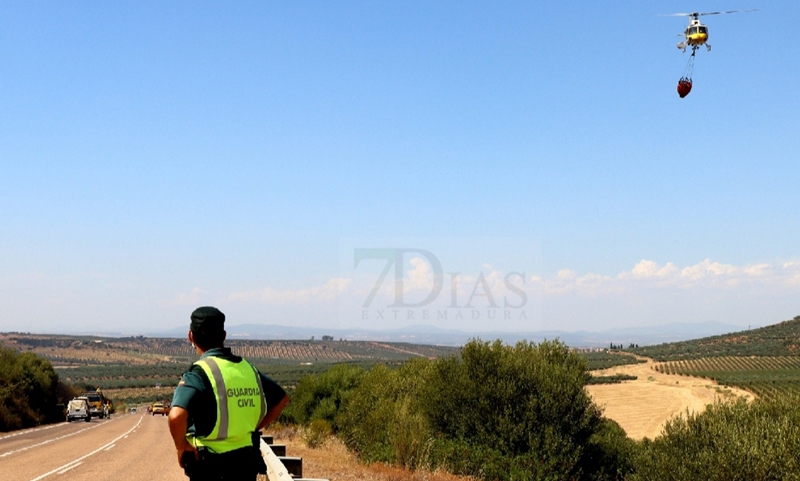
[195, 394]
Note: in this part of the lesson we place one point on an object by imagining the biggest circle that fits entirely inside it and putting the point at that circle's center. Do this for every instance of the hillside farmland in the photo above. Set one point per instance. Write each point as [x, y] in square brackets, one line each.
[141, 368]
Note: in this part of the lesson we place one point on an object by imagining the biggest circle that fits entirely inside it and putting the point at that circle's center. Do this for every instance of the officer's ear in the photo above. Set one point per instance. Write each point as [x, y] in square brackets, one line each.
[191, 338]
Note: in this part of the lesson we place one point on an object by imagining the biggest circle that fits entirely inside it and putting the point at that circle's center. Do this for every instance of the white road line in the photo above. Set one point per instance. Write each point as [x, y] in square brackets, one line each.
[47, 442]
[73, 466]
[79, 460]
[106, 449]
[18, 433]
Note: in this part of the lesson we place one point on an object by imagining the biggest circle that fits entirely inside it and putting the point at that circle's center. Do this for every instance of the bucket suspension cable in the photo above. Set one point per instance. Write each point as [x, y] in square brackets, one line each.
[685, 83]
[687, 73]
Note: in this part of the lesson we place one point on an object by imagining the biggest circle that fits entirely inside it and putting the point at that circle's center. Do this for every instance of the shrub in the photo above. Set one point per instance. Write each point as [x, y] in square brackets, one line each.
[409, 435]
[382, 421]
[29, 391]
[323, 396]
[496, 412]
[610, 452]
[316, 433]
[526, 402]
[730, 441]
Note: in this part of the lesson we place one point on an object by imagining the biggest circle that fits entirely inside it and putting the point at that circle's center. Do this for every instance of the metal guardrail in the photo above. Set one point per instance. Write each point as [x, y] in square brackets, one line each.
[276, 471]
[282, 468]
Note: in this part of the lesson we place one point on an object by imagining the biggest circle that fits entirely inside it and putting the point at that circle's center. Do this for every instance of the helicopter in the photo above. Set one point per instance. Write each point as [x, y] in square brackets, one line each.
[696, 33]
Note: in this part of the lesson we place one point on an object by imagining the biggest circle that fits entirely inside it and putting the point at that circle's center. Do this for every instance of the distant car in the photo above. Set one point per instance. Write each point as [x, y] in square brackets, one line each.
[159, 408]
[133, 409]
[78, 408]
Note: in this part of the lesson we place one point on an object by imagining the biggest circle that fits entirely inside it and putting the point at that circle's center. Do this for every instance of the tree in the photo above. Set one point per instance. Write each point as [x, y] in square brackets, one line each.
[526, 402]
[322, 397]
[29, 390]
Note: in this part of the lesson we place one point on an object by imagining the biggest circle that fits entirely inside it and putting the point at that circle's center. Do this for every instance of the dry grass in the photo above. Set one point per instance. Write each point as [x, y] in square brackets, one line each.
[644, 405]
[164, 393]
[333, 461]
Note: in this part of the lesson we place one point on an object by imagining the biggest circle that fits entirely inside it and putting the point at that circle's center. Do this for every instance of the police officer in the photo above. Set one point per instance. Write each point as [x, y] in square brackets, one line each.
[218, 406]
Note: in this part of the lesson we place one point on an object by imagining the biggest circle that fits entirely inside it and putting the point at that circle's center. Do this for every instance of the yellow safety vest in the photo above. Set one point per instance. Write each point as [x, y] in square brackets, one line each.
[241, 404]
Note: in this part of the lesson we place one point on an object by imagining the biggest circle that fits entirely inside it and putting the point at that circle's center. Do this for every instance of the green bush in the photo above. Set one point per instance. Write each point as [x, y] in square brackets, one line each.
[496, 412]
[610, 452]
[728, 442]
[526, 402]
[30, 392]
[323, 396]
[613, 379]
[382, 421]
[409, 435]
[316, 433]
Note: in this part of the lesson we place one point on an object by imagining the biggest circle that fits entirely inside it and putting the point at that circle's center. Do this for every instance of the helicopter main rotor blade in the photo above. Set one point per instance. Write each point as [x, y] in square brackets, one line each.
[728, 11]
[693, 14]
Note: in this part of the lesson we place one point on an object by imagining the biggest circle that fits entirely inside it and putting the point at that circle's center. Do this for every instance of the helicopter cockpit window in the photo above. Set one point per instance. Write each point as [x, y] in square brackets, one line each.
[703, 29]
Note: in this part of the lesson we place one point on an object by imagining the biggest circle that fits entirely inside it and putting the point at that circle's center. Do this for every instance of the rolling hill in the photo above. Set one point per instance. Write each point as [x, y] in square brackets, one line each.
[782, 339]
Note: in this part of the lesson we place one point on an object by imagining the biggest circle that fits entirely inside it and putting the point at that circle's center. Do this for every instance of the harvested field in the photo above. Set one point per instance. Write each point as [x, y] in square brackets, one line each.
[643, 406]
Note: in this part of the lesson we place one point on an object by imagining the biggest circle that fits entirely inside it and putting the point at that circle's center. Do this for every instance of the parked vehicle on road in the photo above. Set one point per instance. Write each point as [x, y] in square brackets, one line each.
[78, 408]
[97, 403]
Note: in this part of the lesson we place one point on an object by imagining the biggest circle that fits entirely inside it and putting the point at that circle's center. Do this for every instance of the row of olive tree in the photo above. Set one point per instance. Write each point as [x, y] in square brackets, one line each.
[30, 391]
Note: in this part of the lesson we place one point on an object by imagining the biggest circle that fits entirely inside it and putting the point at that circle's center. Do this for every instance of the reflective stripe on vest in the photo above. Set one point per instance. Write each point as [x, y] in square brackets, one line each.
[237, 388]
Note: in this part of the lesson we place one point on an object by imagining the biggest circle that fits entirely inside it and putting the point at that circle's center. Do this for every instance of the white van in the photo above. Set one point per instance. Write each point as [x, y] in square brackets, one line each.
[78, 408]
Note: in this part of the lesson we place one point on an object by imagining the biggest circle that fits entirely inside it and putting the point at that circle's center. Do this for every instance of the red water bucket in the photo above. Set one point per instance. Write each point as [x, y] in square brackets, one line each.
[684, 87]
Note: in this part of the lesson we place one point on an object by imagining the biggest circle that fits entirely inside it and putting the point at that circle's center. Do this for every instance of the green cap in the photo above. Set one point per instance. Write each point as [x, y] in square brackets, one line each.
[207, 319]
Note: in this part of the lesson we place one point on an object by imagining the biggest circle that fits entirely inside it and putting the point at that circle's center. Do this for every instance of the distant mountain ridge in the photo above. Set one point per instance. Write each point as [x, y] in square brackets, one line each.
[421, 334]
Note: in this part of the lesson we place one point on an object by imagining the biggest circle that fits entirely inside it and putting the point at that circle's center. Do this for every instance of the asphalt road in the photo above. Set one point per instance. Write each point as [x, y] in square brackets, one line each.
[126, 447]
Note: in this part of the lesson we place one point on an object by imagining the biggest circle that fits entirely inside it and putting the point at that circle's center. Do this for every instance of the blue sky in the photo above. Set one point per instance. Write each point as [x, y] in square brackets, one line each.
[156, 157]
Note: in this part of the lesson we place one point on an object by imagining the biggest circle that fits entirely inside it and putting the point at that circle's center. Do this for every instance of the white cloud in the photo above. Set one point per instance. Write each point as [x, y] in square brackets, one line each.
[706, 269]
[792, 270]
[418, 282]
[650, 274]
[759, 270]
[420, 276]
[194, 297]
[650, 269]
[647, 292]
[567, 274]
[593, 283]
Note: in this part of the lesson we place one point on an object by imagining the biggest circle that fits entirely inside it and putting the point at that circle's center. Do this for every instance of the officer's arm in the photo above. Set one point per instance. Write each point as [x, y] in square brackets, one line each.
[178, 423]
[274, 412]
